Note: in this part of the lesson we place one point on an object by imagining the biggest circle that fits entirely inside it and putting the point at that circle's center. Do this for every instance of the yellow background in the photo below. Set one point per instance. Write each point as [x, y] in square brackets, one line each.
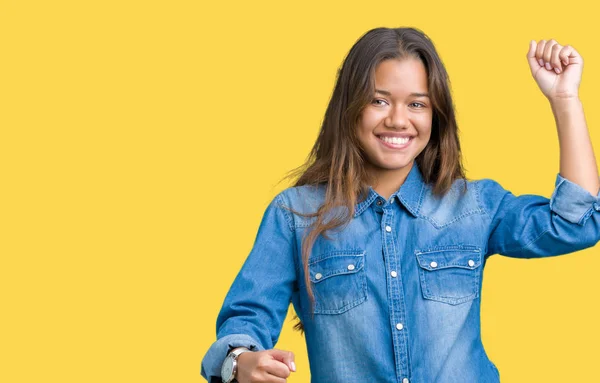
[142, 140]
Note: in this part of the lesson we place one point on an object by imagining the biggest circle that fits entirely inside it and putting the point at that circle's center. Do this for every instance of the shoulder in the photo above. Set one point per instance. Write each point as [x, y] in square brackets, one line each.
[464, 198]
[298, 201]
[490, 194]
[304, 199]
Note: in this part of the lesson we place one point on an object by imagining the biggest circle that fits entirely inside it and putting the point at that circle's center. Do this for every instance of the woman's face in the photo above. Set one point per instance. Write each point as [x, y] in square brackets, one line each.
[396, 125]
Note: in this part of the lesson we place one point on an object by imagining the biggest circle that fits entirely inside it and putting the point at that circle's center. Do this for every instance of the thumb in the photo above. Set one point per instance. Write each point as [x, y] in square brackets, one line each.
[286, 357]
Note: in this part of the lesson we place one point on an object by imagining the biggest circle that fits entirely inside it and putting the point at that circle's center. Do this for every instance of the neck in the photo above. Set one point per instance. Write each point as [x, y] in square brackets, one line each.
[386, 182]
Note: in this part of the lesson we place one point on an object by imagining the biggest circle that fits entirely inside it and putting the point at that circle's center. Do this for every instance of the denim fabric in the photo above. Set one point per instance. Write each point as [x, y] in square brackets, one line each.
[397, 290]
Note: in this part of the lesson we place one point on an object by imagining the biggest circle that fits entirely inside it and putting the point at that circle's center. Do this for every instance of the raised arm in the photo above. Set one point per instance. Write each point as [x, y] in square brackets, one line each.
[533, 226]
[557, 70]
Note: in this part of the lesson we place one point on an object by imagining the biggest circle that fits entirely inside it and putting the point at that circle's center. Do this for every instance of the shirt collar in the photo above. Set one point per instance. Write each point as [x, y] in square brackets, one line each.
[409, 194]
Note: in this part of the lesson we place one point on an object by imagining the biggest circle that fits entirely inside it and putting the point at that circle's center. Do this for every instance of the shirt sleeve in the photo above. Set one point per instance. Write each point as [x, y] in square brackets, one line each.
[258, 300]
[530, 226]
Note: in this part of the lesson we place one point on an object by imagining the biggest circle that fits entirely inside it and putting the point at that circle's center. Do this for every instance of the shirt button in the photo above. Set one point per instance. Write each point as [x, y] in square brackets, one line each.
[399, 326]
[379, 203]
[392, 201]
[405, 380]
[433, 264]
[394, 274]
[350, 267]
[471, 262]
[596, 206]
[388, 228]
[318, 276]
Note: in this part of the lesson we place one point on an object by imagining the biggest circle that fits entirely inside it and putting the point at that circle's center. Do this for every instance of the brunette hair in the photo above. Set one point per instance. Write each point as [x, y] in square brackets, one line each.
[336, 159]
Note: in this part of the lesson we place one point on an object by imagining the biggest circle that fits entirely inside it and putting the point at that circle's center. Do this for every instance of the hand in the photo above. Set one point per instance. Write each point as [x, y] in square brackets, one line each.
[271, 366]
[556, 69]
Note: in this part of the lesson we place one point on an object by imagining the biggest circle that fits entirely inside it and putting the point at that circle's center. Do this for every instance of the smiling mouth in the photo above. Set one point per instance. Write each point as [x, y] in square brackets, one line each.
[395, 142]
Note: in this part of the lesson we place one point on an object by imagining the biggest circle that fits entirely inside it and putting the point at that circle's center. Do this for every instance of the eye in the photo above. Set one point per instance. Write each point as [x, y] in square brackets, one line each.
[378, 102]
[418, 104]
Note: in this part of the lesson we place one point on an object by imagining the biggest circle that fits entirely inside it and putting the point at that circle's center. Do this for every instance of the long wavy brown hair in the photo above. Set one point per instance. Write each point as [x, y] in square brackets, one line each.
[336, 159]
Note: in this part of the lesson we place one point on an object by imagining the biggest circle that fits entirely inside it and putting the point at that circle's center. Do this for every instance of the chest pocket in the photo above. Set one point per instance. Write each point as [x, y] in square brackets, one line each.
[450, 274]
[338, 280]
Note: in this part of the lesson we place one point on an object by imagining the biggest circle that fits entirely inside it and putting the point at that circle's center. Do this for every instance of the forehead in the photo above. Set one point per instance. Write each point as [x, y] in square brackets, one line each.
[400, 76]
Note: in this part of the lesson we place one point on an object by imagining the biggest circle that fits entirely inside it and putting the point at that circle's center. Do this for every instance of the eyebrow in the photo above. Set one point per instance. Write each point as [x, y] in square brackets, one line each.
[386, 93]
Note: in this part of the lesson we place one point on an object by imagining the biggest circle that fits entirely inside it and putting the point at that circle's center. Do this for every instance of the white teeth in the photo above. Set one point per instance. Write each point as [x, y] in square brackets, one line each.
[394, 140]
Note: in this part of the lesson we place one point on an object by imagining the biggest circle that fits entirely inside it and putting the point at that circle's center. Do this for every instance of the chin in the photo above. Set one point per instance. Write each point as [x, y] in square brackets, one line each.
[395, 165]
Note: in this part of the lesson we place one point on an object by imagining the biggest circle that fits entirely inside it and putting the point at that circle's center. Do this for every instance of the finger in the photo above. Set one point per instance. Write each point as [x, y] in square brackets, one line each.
[286, 357]
[275, 379]
[564, 54]
[265, 377]
[568, 55]
[533, 62]
[547, 55]
[539, 52]
[555, 59]
[289, 360]
[278, 369]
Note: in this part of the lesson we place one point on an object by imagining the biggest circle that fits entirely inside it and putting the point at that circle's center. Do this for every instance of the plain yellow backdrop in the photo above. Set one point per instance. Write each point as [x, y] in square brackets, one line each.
[141, 142]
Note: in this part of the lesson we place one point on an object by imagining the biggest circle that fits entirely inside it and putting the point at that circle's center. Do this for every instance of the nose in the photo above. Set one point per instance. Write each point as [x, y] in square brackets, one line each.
[397, 118]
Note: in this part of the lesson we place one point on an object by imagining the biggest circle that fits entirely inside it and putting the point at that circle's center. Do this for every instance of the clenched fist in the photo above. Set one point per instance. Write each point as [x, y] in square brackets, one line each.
[270, 366]
[556, 69]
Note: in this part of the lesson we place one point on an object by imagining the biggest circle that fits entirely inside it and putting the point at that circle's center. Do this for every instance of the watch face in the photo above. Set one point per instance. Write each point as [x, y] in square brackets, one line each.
[227, 369]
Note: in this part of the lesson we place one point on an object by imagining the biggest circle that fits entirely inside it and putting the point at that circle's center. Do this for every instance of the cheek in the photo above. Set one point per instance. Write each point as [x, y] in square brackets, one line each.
[369, 120]
[426, 135]
[424, 126]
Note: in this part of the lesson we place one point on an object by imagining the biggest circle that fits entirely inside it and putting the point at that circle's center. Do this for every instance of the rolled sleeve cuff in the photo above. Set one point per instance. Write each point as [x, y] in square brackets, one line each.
[213, 360]
[572, 202]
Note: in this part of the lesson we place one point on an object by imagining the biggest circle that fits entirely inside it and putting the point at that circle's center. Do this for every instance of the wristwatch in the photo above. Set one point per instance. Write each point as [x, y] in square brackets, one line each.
[229, 367]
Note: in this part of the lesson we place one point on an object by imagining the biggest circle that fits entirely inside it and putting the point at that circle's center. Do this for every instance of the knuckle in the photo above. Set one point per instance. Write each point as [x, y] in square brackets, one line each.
[262, 363]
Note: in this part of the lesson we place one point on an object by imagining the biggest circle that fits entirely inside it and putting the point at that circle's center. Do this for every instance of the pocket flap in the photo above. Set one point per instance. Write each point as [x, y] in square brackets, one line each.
[466, 257]
[329, 265]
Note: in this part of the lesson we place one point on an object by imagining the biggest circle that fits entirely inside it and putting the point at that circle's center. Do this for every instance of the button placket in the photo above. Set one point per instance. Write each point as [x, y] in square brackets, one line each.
[397, 307]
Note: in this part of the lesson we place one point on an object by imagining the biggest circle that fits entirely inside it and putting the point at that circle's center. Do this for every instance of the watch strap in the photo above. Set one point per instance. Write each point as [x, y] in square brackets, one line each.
[235, 353]
[238, 351]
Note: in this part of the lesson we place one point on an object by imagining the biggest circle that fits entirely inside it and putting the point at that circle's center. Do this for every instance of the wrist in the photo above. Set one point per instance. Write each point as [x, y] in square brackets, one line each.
[564, 101]
[230, 364]
[238, 349]
[565, 110]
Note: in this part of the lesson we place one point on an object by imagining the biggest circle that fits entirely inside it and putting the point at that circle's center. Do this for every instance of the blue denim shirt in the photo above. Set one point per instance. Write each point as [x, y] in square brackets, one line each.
[397, 290]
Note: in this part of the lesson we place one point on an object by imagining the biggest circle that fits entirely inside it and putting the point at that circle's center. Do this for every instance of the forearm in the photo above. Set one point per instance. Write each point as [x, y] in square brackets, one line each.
[577, 160]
